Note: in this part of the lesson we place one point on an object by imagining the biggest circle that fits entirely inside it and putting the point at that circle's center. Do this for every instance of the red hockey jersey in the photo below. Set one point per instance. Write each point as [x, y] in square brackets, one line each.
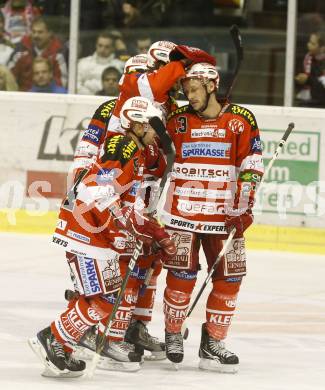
[217, 166]
[86, 224]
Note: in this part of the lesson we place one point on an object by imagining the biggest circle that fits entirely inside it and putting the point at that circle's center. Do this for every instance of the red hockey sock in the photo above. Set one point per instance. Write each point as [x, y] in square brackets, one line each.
[220, 309]
[80, 315]
[144, 305]
[123, 315]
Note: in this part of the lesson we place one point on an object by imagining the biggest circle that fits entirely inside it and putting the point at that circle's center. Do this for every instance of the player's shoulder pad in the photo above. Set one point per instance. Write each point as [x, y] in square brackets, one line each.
[119, 148]
[243, 112]
[105, 110]
[180, 110]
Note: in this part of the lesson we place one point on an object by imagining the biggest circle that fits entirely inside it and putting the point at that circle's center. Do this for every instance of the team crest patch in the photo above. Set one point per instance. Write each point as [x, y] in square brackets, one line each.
[184, 245]
[235, 258]
[236, 126]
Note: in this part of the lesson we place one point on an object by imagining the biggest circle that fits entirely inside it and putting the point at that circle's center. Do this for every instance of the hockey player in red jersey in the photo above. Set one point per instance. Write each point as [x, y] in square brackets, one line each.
[154, 83]
[106, 124]
[217, 168]
[90, 220]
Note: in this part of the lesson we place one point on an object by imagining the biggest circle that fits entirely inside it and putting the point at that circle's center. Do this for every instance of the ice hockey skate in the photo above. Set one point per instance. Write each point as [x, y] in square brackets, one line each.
[119, 355]
[174, 348]
[214, 356]
[138, 335]
[115, 356]
[57, 362]
[87, 345]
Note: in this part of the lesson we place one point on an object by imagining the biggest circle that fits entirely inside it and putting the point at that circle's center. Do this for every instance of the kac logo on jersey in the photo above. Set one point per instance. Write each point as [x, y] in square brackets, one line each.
[105, 176]
[236, 126]
[206, 149]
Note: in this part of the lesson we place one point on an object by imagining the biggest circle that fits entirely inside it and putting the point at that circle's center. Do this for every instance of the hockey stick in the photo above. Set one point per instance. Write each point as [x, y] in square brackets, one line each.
[237, 41]
[184, 329]
[160, 129]
[101, 337]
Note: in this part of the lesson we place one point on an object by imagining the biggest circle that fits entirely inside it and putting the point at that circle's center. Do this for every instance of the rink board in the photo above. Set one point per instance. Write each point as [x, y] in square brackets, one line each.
[305, 240]
[39, 134]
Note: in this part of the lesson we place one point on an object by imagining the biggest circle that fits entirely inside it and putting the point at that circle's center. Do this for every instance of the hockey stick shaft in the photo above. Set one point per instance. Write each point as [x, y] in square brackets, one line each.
[212, 270]
[237, 41]
[185, 330]
[160, 129]
[101, 337]
[278, 149]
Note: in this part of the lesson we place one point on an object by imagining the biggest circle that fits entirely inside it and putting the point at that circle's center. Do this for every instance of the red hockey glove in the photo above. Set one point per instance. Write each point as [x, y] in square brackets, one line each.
[147, 229]
[167, 248]
[239, 222]
[151, 155]
[193, 54]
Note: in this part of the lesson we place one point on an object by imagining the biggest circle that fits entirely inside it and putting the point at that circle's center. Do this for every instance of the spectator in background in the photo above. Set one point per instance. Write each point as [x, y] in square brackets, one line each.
[110, 79]
[18, 15]
[41, 42]
[142, 45]
[312, 69]
[6, 47]
[7, 80]
[120, 47]
[43, 77]
[134, 14]
[90, 68]
[131, 13]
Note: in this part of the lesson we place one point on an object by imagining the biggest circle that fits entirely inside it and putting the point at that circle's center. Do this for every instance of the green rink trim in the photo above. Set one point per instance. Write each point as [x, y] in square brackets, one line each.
[265, 237]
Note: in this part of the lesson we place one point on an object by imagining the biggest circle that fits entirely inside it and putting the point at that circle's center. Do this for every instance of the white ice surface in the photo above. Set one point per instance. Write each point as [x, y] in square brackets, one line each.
[278, 332]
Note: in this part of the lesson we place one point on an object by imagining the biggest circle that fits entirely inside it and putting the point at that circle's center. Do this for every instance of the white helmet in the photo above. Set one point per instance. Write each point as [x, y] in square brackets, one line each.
[203, 70]
[136, 63]
[159, 51]
[138, 109]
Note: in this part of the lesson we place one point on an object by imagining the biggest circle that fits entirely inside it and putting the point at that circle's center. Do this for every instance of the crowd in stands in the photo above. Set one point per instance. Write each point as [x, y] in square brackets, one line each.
[34, 51]
[34, 57]
[311, 79]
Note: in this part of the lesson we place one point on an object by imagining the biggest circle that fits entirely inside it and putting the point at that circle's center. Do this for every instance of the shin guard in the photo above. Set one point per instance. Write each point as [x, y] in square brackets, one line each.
[75, 321]
[177, 297]
[144, 306]
[220, 309]
[123, 315]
